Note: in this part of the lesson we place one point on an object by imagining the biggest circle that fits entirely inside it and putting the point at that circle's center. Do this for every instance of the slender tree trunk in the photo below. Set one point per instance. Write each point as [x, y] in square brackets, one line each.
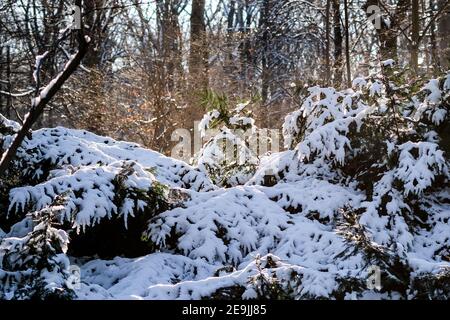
[415, 34]
[265, 65]
[230, 17]
[8, 77]
[242, 53]
[169, 41]
[198, 64]
[6, 83]
[2, 63]
[433, 41]
[93, 20]
[244, 28]
[327, 44]
[347, 45]
[198, 58]
[444, 35]
[247, 41]
[387, 32]
[337, 42]
[229, 65]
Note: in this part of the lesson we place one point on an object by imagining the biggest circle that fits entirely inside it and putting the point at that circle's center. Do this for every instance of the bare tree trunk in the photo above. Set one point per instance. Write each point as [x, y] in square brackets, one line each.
[247, 42]
[444, 35]
[387, 32]
[415, 34]
[433, 41]
[198, 58]
[170, 40]
[2, 63]
[265, 65]
[337, 43]
[347, 45]
[229, 65]
[8, 77]
[93, 20]
[327, 44]
[6, 82]
[242, 54]
[230, 17]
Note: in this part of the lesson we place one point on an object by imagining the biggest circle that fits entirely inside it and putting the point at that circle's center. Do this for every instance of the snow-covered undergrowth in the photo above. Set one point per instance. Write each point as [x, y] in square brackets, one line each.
[227, 157]
[363, 186]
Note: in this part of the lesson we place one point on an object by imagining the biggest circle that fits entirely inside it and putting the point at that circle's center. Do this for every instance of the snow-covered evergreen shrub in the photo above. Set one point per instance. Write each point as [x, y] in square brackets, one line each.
[363, 125]
[56, 148]
[227, 159]
[7, 129]
[410, 166]
[227, 156]
[431, 287]
[389, 137]
[367, 134]
[105, 181]
[14, 176]
[223, 226]
[93, 192]
[35, 266]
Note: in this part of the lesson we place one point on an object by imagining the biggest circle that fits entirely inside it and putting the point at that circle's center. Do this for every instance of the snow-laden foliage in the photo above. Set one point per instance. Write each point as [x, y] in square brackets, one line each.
[224, 226]
[35, 266]
[433, 107]
[102, 176]
[264, 277]
[363, 186]
[103, 180]
[311, 123]
[124, 278]
[7, 127]
[227, 159]
[59, 147]
[227, 156]
[93, 192]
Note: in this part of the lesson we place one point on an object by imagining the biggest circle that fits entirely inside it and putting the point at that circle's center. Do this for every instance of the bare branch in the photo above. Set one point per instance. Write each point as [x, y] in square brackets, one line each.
[43, 98]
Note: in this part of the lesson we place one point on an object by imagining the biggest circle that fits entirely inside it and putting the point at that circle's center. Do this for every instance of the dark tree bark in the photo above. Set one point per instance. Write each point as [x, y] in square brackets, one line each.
[444, 34]
[2, 82]
[435, 61]
[265, 23]
[337, 42]
[93, 19]
[347, 45]
[245, 44]
[415, 35]
[229, 66]
[327, 43]
[170, 40]
[198, 57]
[8, 78]
[388, 32]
